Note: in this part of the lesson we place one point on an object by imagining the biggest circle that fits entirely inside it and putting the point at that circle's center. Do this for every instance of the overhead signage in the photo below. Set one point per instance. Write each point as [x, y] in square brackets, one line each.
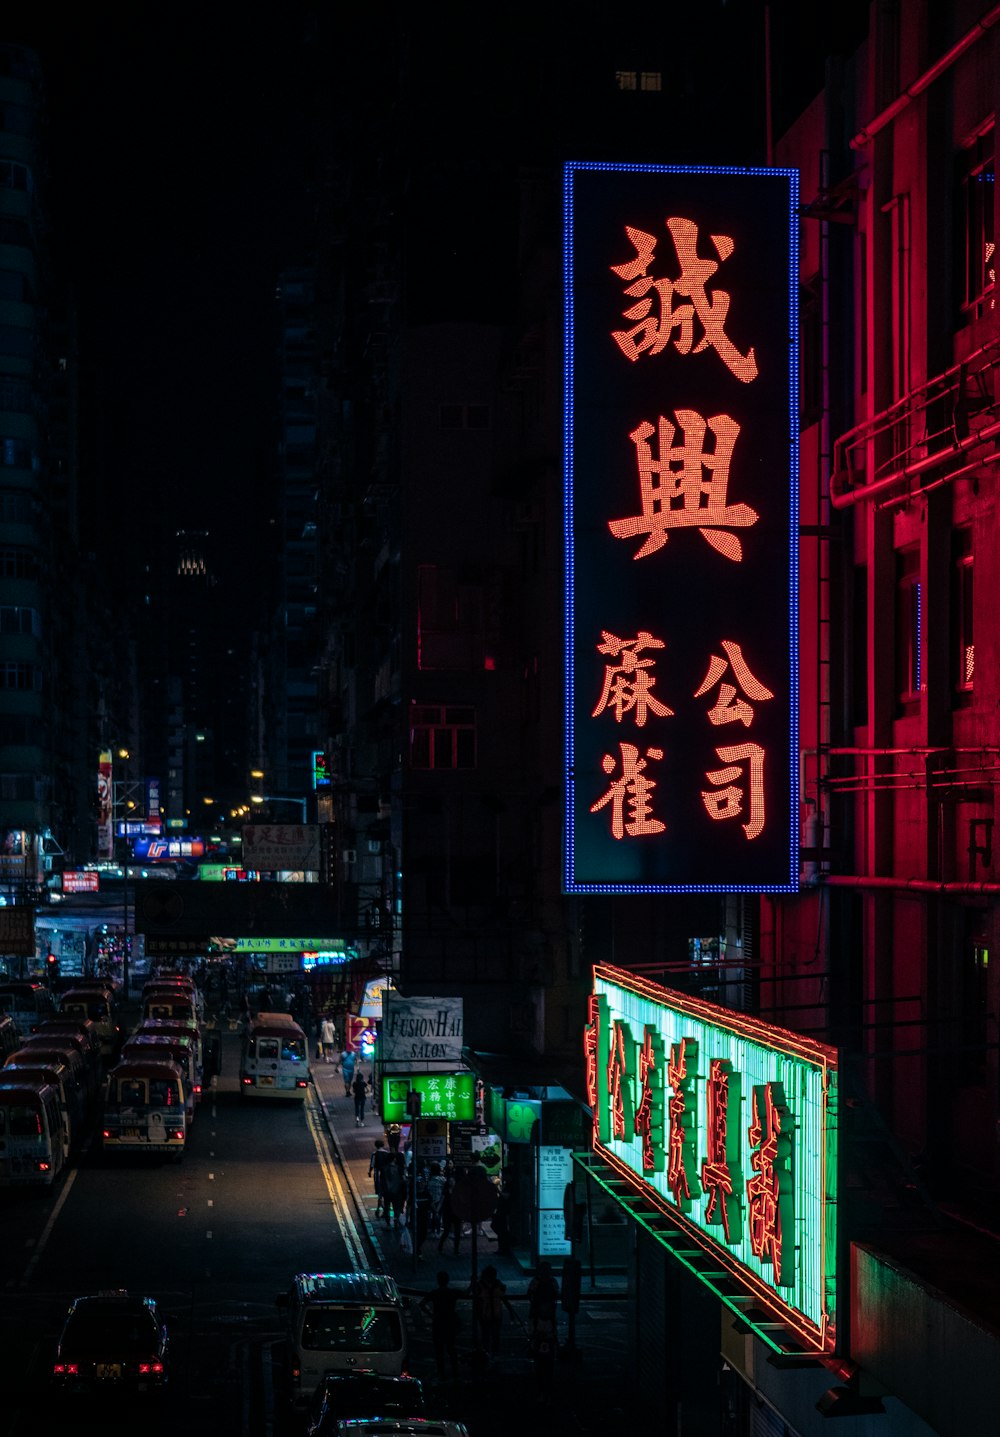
[450, 1096]
[321, 775]
[729, 1126]
[105, 804]
[74, 880]
[281, 847]
[328, 946]
[680, 477]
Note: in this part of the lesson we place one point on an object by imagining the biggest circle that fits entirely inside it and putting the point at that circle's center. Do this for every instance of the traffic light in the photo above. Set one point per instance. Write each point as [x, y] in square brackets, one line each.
[52, 968]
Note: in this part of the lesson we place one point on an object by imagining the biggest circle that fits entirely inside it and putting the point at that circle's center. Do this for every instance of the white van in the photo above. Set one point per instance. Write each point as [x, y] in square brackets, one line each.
[338, 1321]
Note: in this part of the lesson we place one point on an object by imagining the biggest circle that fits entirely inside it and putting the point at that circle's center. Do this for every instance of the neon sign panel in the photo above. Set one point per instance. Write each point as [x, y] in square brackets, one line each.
[680, 477]
[728, 1126]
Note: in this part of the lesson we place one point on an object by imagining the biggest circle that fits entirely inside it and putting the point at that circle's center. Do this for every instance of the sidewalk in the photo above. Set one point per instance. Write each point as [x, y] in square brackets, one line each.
[587, 1386]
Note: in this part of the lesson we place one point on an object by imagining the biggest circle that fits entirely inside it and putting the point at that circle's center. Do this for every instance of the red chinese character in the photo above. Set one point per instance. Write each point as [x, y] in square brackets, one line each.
[769, 1191]
[621, 1080]
[726, 803]
[628, 685]
[719, 1172]
[725, 710]
[654, 326]
[632, 792]
[650, 1117]
[682, 1160]
[685, 488]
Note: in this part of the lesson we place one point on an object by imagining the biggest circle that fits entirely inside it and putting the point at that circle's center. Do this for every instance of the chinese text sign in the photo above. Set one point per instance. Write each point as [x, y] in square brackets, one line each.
[680, 462]
[729, 1125]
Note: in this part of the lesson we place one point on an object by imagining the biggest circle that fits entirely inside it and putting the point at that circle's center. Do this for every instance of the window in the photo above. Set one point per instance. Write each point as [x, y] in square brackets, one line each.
[650, 80]
[976, 208]
[17, 454]
[19, 564]
[626, 79]
[14, 176]
[909, 620]
[16, 507]
[20, 676]
[449, 617]
[442, 736]
[17, 620]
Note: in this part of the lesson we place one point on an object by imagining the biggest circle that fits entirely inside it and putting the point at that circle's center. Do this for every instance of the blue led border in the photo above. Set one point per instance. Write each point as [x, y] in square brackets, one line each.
[792, 176]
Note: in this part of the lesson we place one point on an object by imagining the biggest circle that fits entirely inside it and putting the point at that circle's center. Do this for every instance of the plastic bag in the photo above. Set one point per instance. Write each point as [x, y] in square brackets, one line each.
[405, 1241]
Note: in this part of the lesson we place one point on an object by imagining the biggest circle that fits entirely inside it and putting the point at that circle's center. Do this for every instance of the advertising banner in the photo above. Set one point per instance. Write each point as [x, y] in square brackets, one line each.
[681, 529]
[105, 806]
[274, 847]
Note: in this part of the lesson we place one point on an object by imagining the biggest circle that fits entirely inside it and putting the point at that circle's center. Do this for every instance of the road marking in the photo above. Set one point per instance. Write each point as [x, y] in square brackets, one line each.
[50, 1224]
[335, 1188]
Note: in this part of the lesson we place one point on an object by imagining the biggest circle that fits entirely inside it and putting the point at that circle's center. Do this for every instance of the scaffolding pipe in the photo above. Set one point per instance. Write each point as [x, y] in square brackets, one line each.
[865, 136]
[911, 885]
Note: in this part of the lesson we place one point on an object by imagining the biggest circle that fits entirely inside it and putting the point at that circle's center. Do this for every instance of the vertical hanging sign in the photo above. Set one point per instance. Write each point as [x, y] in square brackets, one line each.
[680, 473]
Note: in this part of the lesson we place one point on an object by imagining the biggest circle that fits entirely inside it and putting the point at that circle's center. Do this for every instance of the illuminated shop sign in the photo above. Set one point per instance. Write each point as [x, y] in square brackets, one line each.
[729, 1126]
[680, 468]
[443, 1095]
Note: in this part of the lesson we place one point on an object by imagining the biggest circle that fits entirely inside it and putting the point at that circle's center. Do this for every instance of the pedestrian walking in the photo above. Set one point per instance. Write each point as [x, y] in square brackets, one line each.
[347, 1071]
[327, 1040]
[451, 1223]
[435, 1191]
[442, 1303]
[489, 1302]
[377, 1166]
[359, 1088]
[543, 1295]
[394, 1188]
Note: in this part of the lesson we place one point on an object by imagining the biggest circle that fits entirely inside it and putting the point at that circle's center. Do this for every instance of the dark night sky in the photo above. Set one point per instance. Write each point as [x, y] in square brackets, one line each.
[177, 140]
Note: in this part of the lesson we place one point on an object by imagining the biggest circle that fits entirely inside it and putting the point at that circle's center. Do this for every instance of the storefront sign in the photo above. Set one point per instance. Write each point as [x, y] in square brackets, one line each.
[680, 471]
[442, 1095]
[729, 1125]
[421, 1030]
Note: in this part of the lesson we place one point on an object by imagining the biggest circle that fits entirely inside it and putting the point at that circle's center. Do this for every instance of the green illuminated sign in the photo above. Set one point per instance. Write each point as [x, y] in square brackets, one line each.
[444, 1095]
[729, 1126]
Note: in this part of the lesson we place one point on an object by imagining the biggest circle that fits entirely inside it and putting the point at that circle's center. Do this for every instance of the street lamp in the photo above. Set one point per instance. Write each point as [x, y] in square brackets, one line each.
[260, 798]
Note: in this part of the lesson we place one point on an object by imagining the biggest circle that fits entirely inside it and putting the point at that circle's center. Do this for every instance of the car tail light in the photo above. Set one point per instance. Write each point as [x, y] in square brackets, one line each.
[247, 1082]
[105, 1132]
[176, 1133]
[65, 1369]
[197, 1088]
[296, 1373]
[151, 1369]
[301, 1083]
[42, 1166]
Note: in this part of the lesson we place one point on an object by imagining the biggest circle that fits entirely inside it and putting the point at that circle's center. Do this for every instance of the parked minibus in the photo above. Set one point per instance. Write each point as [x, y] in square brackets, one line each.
[28, 1004]
[33, 1142]
[81, 1028]
[155, 1047]
[87, 1069]
[179, 1028]
[63, 1053]
[170, 1003]
[10, 1038]
[143, 1108]
[59, 1076]
[97, 1005]
[275, 1058]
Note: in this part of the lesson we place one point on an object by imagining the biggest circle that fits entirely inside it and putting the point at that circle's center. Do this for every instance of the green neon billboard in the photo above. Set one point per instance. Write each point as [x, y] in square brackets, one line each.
[727, 1125]
[448, 1096]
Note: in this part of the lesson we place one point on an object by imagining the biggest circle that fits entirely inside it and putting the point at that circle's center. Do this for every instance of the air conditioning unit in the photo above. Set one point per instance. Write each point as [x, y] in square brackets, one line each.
[350, 855]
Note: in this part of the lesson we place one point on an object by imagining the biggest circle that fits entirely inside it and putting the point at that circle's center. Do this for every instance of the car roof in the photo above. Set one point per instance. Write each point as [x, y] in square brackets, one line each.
[346, 1287]
[116, 1301]
[403, 1426]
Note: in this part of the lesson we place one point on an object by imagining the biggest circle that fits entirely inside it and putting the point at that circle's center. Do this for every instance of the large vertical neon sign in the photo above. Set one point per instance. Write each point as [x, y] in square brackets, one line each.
[681, 456]
[738, 1146]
